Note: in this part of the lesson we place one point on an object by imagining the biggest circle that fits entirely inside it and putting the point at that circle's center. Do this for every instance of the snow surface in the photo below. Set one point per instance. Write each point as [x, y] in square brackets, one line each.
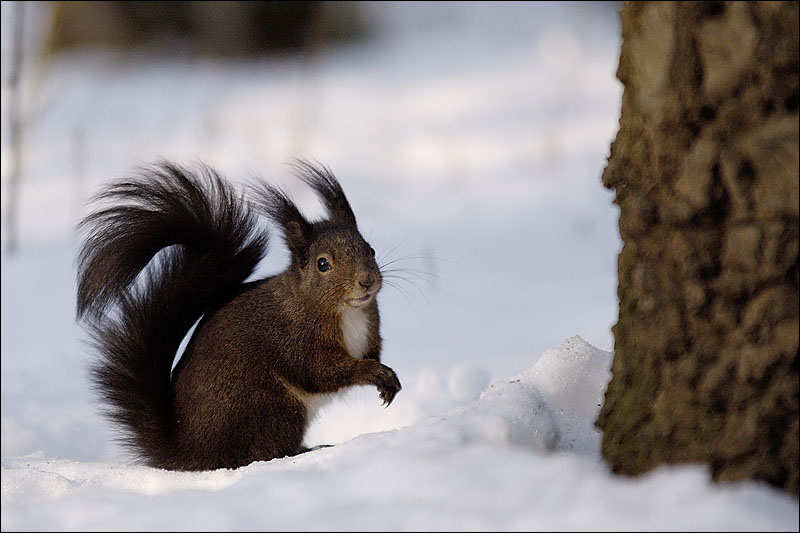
[470, 139]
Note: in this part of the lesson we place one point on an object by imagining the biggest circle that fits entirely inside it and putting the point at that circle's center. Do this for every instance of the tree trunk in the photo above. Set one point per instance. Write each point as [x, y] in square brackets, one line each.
[705, 170]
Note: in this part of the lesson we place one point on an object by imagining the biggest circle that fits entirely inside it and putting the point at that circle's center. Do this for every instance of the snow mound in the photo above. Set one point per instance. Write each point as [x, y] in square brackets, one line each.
[551, 406]
[572, 379]
[508, 412]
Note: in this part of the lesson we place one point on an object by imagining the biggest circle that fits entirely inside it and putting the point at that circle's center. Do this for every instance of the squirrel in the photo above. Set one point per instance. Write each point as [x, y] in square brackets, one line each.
[175, 249]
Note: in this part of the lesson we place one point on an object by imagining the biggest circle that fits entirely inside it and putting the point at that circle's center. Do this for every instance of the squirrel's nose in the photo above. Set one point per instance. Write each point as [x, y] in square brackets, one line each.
[367, 281]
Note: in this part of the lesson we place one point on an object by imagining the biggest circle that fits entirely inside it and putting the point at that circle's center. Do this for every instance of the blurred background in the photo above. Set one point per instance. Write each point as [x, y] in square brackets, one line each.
[469, 136]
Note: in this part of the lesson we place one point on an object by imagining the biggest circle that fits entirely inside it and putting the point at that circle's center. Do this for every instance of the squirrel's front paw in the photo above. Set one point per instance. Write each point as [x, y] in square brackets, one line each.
[386, 381]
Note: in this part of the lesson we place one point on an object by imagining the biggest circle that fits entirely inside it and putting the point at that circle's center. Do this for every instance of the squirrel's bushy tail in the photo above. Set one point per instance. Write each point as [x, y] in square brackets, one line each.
[139, 303]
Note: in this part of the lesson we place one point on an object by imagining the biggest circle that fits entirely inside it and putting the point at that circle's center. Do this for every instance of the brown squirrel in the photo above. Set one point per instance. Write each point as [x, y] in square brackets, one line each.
[177, 247]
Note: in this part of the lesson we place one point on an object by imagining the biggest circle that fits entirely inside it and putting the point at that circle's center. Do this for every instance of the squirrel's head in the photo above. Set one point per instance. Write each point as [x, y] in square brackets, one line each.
[336, 267]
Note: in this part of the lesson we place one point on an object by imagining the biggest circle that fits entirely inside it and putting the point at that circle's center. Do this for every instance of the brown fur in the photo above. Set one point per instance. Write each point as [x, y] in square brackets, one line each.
[262, 352]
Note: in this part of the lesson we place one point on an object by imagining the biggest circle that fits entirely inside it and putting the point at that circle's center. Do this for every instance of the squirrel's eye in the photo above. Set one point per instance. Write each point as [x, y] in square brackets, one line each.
[372, 251]
[323, 265]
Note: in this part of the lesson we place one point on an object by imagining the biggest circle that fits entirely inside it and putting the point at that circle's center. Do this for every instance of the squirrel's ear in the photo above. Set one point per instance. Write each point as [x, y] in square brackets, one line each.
[276, 203]
[321, 179]
[296, 235]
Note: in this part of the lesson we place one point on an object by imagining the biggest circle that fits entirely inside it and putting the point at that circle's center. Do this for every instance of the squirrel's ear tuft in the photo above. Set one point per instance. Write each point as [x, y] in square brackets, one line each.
[321, 179]
[278, 205]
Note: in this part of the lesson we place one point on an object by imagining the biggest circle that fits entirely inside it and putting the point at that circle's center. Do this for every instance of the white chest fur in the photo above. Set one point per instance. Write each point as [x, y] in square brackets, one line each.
[355, 330]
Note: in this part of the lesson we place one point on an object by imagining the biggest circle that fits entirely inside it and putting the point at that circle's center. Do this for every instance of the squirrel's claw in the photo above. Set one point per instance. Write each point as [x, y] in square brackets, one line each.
[388, 394]
[386, 381]
[387, 400]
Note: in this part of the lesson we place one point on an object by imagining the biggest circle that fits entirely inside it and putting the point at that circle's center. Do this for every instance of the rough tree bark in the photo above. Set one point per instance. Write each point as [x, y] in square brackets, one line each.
[705, 170]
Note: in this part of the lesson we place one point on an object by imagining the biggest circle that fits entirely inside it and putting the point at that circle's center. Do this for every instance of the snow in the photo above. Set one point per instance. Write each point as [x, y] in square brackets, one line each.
[506, 461]
[470, 138]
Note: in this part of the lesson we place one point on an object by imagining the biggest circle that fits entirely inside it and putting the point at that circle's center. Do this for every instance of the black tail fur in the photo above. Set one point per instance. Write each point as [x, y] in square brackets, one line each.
[210, 243]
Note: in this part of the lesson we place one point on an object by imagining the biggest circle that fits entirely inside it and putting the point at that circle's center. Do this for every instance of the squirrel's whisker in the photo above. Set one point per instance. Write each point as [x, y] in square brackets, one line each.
[393, 248]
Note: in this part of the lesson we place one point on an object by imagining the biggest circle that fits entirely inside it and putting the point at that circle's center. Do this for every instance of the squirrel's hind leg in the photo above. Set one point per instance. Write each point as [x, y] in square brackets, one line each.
[305, 449]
